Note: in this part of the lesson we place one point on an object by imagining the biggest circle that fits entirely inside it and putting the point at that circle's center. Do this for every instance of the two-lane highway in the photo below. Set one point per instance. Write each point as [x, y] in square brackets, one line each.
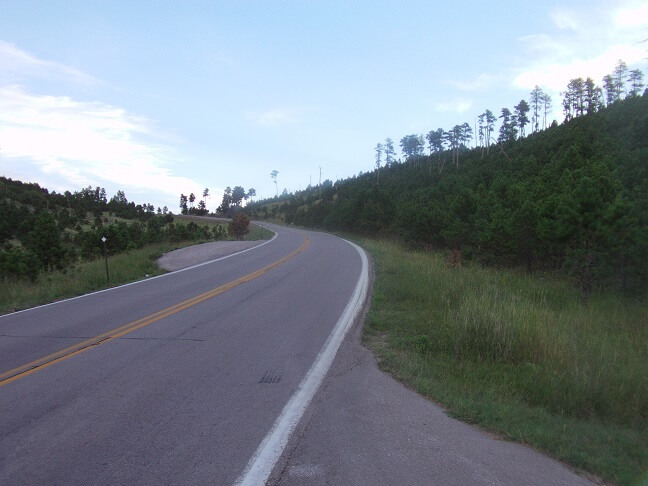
[177, 379]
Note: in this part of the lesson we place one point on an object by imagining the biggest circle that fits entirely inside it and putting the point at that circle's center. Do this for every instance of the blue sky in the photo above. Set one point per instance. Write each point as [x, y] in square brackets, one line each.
[159, 98]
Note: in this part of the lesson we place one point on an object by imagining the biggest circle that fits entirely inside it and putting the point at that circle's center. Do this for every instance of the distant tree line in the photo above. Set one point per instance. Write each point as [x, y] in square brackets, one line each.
[231, 203]
[41, 231]
[581, 97]
[233, 200]
[187, 204]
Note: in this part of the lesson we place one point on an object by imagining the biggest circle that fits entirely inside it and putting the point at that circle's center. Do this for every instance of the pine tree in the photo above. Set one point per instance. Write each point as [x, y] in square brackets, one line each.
[619, 76]
[636, 82]
[521, 110]
[546, 104]
[481, 131]
[610, 91]
[378, 149]
[390, 153]
[508, 130]
[44, 241]
[593, 96]
[537, 99]
[490, 126]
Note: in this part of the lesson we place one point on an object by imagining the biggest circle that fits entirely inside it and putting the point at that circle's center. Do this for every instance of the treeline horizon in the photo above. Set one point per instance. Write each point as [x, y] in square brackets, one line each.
[231, 203]
[41, 231]
[570, 198]
[581, 97]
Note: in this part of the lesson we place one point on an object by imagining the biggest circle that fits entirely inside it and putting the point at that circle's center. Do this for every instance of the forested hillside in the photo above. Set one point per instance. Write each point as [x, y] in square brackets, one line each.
[571, 198]
[42, 231]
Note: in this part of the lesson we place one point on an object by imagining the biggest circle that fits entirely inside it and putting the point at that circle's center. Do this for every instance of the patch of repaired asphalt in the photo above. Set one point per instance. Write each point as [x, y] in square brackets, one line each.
[193, 255]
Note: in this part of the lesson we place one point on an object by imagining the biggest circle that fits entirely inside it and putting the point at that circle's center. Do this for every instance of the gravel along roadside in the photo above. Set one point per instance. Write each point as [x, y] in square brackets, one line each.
[193, 255]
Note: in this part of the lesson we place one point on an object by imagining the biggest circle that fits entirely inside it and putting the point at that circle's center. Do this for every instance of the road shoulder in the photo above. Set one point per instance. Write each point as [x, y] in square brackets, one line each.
[364, 427]
[196, 254]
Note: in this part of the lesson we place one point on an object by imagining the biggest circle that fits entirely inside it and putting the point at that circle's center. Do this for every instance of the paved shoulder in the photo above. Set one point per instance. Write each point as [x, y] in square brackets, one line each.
[193, 255]
[365, 428]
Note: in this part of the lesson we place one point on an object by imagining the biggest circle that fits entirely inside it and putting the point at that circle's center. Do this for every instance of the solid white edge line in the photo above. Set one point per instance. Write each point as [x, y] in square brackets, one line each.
[147, 279]
[265, 458]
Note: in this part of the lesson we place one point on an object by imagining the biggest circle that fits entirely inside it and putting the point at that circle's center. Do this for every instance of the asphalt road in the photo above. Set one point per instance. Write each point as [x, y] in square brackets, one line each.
[201, 377]
[174, 380]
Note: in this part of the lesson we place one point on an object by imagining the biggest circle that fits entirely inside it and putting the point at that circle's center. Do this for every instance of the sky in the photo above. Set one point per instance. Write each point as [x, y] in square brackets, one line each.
[159, 98]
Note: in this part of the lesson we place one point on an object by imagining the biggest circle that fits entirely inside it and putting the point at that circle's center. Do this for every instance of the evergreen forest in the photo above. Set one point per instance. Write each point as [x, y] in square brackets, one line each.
[570, 198]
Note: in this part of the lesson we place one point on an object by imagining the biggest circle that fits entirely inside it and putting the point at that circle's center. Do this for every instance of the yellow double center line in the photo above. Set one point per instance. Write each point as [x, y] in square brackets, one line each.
[49, 360]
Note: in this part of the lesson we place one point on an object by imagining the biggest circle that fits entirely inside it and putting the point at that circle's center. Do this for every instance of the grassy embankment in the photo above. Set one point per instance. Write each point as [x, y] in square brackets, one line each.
[89, 276]
[519, 355]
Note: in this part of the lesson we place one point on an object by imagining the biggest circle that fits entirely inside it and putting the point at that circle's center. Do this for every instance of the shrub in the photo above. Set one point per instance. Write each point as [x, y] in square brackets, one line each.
[239, 226]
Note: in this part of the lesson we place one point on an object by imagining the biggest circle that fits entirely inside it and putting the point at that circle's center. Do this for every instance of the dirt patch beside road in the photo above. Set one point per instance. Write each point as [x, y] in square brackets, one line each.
[193, 255]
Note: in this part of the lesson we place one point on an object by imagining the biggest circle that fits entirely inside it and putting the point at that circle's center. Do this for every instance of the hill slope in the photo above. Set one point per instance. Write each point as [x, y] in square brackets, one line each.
[572, 198]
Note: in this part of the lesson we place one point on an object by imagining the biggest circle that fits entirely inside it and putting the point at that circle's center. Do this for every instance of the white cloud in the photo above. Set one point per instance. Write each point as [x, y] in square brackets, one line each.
[275, 117]
[547, 46]
[61, 141]
[588, 44]
[566, 19]
[633, 15]
[481, 82]
[16, 64]
[86, 143]
[556, 75]
[456, 106]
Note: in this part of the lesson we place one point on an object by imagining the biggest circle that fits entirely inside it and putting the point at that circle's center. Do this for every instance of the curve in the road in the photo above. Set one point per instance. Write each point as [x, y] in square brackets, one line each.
[63, 354]
[187, 400]
[148, 279]
[266, 456]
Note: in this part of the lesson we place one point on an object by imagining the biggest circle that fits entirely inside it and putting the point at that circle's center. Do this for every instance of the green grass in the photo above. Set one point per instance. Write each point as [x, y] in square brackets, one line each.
[89, 276]
[519, 355]
[256, 232]
[83, 278]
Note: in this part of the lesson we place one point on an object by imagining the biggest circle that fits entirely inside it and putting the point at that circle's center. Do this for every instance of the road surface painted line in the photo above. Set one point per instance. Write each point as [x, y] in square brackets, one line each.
[147, 279]
[51, 359]
[265, 458]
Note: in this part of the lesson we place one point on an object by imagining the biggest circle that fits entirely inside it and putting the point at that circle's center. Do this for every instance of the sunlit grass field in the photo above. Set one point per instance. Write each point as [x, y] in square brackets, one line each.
[520, 355]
